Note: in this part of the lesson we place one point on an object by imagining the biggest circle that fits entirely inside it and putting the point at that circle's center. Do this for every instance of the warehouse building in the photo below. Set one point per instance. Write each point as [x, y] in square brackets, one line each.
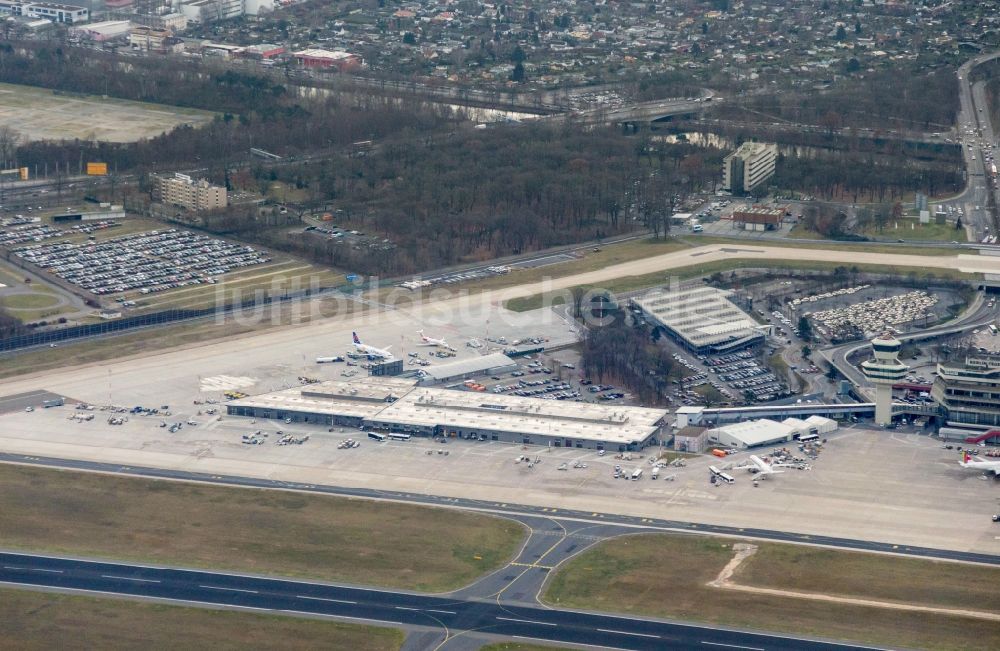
[758, 218]
[316, 58]
[464, 369]
[395, 405]
[57, 13]
[702, 319]
[103, 31]
[691, 439]
[752, 433]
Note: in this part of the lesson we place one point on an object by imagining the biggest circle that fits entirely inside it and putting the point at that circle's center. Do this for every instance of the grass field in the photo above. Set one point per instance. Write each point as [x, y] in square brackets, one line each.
[34, 301]
[41, 114]
[912, 229]
[667, 575]
[46, 620]
[250, 530]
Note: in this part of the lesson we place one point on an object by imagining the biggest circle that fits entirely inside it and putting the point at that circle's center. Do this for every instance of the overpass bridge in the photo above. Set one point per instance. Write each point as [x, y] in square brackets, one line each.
[837, 411]
[632, 115]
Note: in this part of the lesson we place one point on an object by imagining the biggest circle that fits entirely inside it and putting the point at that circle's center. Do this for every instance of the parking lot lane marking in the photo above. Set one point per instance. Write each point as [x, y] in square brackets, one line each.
[608, 630]
[336, 601]
[525, 621]
[733, 646]
[215, 587]
[129, 578]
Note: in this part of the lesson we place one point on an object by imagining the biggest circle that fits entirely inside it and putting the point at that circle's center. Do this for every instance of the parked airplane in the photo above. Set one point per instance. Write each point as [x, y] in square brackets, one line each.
[371, 351]
[980, 464]
[430, 341]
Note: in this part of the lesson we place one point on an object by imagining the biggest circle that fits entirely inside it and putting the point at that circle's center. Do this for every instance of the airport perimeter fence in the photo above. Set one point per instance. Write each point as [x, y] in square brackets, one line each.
[153, 319]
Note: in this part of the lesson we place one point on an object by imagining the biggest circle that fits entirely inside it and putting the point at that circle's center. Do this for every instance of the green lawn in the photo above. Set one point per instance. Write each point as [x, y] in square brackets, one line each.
[666, 575]
[44, 621]
[250, 530]
[33, 301]
[912, 229]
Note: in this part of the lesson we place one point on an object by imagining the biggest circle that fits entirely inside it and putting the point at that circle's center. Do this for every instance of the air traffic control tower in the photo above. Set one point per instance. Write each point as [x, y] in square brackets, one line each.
[884, 370]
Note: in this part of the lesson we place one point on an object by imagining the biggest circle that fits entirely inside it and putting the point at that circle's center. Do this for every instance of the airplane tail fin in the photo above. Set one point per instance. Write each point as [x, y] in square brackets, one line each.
[356, 339]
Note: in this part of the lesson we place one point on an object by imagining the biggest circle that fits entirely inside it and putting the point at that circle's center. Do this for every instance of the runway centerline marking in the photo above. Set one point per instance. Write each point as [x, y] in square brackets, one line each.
[216, 587]
[128, 578]
[524, 621]
[608, 630]
[336, 601]
[733, 646]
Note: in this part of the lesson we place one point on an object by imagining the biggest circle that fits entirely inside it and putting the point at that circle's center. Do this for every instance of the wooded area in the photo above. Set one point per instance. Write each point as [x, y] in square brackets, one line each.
[627, 355]
[253, 110]
[881, 99]
[863, 177]
[479, 194]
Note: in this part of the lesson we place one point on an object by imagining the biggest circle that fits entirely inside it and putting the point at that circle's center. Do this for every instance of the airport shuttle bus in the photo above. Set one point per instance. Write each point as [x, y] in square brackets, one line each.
[399, 437]
[375, 436]
[808, 438]
[721, 476]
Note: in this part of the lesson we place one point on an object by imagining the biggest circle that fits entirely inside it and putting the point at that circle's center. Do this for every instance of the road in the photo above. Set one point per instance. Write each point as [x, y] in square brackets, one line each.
[974, 115]
[977, 316]
[400, 608]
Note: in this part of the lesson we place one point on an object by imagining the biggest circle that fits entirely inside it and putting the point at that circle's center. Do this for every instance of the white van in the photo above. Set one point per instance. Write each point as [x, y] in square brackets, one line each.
[697, 228]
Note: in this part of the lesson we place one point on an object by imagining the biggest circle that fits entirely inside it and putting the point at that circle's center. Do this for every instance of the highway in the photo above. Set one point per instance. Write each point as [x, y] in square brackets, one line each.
[399, 608]
[974, 114]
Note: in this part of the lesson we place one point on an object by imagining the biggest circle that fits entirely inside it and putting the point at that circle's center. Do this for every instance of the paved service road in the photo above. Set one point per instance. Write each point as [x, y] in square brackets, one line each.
[399, 608]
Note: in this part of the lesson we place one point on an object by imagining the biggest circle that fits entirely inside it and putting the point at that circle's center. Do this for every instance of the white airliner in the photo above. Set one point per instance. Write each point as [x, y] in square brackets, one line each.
[762, 468]
[968, 461]
[430, 341]
[371, 351]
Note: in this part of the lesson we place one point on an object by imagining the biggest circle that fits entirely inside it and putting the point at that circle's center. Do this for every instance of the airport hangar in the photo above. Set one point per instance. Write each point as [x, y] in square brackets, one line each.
[384, 404]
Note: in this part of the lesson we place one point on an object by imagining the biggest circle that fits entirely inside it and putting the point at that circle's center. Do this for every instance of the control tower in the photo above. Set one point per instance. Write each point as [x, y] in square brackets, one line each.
[884, 370]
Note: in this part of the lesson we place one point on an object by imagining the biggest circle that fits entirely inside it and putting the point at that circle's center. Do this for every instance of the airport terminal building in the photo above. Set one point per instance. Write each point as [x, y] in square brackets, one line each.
[398, 405]
[969, 392]
[703, 319]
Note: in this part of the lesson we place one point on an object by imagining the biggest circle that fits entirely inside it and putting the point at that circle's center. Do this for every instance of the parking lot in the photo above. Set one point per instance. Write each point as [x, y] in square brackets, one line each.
[739, 377]
[865, 317]
[146, 262]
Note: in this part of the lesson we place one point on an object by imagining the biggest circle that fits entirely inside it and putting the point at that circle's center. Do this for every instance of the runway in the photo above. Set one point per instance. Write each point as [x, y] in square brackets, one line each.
[397, 608]
[626, 522]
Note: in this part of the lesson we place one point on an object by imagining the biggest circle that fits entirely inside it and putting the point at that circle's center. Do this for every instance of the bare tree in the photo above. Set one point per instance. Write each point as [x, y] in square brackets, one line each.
[9, 141]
